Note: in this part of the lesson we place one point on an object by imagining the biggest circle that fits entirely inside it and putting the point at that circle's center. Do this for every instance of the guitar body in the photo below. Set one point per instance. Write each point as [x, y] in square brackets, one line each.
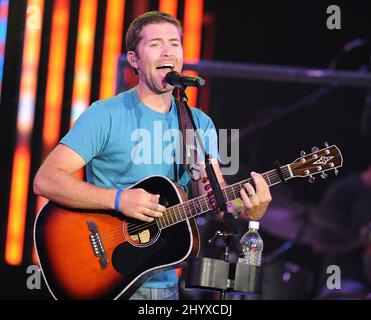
[104, 255]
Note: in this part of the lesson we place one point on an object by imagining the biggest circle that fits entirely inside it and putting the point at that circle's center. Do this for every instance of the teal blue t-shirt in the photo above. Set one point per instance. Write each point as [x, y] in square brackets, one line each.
[123, 141]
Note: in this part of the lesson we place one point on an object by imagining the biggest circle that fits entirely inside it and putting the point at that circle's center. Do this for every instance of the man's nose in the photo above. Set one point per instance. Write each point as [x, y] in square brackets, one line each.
[167, 50]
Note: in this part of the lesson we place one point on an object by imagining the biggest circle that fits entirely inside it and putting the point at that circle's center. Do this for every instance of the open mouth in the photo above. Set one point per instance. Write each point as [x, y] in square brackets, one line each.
[165, 66]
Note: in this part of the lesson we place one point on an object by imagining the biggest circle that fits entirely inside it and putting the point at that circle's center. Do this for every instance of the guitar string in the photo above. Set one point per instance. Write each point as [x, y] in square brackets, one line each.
[136, 228]
[228, 191]
[178, 214]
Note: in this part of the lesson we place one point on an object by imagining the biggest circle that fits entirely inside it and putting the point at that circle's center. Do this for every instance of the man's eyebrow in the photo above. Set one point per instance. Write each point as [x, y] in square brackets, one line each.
[161, 39]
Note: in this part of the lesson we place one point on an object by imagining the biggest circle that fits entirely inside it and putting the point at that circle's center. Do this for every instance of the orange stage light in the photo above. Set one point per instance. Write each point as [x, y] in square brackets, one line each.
[168, 6]
[54, 84]
[25, 119]
[83, 58]
[111, 46]
[193, 13]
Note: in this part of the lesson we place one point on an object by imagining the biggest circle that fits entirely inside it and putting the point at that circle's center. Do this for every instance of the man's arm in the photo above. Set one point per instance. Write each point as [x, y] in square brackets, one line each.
[55, 181]
[255, 205]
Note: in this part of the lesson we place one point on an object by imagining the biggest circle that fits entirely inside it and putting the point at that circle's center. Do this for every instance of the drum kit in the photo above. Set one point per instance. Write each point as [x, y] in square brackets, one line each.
[298, 226]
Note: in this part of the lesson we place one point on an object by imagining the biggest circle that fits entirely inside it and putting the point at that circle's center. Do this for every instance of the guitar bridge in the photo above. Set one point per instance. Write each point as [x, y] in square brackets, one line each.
[97, 245]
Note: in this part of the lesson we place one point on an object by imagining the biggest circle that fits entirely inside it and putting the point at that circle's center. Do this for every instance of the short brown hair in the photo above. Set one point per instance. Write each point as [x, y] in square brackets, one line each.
[133, 34]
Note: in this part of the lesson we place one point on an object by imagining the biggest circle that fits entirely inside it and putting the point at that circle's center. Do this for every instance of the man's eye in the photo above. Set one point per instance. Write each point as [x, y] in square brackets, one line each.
[153, 45]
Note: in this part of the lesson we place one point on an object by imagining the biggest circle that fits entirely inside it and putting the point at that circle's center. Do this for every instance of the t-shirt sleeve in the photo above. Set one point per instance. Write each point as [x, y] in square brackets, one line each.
[90, 132]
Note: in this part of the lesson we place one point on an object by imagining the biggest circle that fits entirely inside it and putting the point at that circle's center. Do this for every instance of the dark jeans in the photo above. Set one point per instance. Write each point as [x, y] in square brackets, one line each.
[142, 293]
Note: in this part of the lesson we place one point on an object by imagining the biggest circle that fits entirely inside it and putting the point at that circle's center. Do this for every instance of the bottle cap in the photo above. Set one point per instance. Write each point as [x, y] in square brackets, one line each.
[254, 225]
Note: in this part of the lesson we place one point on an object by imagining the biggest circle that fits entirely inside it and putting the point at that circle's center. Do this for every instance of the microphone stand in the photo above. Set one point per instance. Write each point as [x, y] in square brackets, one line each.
[228, 218]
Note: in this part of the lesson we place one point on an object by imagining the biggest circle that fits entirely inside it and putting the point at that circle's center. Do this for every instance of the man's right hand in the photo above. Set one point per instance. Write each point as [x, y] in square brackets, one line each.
[140, 204]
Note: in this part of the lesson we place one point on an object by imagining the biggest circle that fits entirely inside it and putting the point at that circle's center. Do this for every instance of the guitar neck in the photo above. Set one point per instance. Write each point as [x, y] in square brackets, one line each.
[199, 205]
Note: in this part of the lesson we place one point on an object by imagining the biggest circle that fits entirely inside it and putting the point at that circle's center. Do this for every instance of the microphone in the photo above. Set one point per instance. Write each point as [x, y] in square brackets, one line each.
[179, 80]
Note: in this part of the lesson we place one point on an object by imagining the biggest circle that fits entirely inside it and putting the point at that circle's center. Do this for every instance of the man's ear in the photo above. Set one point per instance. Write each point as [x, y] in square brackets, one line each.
[132, 59]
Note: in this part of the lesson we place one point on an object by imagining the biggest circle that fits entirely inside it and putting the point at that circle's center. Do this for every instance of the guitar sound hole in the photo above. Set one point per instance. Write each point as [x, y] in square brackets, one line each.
[142, 233]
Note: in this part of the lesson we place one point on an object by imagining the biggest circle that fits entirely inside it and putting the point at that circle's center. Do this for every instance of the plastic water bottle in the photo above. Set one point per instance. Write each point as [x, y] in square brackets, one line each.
[252, 245]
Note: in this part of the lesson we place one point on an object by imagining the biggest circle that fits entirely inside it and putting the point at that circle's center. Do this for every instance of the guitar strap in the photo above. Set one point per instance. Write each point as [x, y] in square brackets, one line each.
[189, 146]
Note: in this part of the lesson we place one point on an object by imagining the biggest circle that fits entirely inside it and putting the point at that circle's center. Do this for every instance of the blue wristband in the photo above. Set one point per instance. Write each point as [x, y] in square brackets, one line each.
[117, 200]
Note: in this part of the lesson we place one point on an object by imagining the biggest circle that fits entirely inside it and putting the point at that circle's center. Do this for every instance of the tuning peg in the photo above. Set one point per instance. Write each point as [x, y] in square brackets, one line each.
[326, 144]
[302, 153]
[311, 179]
[324, 175]
[336, 171]
[315, 149]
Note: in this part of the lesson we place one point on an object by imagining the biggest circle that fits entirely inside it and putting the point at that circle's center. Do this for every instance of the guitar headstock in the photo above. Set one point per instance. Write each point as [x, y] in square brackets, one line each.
[319, 161]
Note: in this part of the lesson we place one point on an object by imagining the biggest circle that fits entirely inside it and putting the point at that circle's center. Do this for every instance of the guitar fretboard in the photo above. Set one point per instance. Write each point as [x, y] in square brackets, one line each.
[201, 204]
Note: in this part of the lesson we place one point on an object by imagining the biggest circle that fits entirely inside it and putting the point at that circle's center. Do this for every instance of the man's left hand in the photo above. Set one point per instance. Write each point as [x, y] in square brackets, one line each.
[255, 200]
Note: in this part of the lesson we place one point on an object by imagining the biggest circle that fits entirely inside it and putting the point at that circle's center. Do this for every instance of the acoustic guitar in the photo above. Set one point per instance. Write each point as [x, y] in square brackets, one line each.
[95, 254]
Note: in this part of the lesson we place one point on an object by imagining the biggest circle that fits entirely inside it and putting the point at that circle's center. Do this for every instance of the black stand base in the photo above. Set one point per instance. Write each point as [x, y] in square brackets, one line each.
[218, 275]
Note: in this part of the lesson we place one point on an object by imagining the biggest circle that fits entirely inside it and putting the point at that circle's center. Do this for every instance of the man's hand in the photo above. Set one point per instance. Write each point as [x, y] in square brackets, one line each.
[255, 200]
[141, 205]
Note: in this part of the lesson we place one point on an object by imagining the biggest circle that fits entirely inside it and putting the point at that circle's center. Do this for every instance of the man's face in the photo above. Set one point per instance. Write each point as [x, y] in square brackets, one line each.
[158, 52]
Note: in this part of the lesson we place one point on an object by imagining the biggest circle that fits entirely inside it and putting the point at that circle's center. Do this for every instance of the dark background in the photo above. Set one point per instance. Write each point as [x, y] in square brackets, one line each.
[291, 33]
